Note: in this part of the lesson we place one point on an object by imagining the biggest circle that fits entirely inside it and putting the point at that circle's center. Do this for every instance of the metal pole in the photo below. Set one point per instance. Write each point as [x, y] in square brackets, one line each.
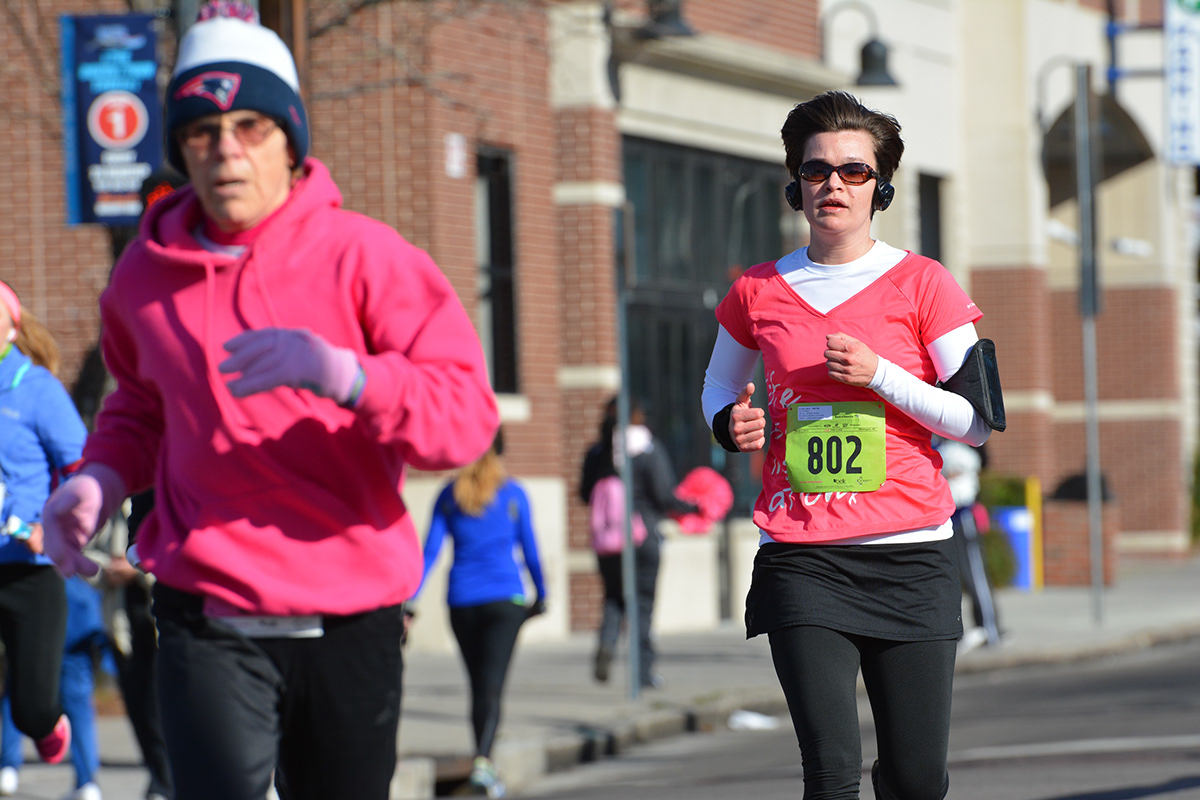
[1089, 295]
[628, 556]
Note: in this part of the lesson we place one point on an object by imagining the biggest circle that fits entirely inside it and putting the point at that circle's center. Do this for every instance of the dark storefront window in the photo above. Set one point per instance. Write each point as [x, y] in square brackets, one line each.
[931, 216]
[497, 279]
[699, 220]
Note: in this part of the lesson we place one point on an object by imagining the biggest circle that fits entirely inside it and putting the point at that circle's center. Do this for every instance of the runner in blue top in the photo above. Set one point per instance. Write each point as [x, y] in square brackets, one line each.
[487, 515]
[41, 438]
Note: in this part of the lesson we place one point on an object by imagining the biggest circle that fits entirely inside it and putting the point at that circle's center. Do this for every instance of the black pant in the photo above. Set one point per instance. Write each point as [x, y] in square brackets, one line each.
[486, 636]
[137, 673]
[323, 712]
[646, 562]
[909, 686]
[974, 575]
[33, 627]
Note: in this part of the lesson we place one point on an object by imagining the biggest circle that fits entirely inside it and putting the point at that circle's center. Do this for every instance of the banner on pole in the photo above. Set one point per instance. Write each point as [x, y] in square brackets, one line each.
[1182, 41]
[112, 117]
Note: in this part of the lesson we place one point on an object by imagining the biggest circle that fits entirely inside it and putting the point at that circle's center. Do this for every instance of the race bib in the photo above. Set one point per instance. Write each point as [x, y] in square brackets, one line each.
[836, 447]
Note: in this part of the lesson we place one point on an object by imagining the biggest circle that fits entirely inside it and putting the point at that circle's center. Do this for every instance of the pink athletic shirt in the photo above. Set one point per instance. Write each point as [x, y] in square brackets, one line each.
[897, 315]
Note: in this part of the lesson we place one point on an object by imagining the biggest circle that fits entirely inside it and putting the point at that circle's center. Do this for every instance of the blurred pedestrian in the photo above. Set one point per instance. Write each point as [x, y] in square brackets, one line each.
[279, 540]
[598, 460]
[487, 515]
[137, 651]
[84, 641]
[131, 621]
[41, 439]
[653, 482]
[856, 567]
[961, 466]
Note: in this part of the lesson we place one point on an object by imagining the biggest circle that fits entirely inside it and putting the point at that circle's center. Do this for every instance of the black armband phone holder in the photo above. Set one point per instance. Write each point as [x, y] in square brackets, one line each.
[978, 380]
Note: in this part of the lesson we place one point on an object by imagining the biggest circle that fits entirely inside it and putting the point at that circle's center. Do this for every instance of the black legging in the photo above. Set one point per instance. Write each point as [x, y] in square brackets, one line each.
[486, 635]
[646, 562]
[974, 575]
[33, 626]
[137, 674]
[909, 686]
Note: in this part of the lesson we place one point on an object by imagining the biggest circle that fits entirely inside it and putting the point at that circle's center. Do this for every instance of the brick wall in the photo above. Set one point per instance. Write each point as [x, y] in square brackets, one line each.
[387, 89]
[589, 152]
[784, 25]
[587, 600]
[1141, 448]
[58, 272]
[1016, 312]
[1038, 336]
[1135, 345]
[1066, 543]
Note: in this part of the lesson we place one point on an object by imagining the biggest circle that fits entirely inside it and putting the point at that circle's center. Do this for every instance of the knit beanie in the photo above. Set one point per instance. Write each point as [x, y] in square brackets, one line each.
[228, 61]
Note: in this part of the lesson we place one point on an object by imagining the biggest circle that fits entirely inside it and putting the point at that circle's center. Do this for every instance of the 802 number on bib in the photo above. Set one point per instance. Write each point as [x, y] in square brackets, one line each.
[836, 447]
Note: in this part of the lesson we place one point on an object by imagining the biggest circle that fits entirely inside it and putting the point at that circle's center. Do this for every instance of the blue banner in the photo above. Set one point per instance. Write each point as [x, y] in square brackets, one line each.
[112, 116]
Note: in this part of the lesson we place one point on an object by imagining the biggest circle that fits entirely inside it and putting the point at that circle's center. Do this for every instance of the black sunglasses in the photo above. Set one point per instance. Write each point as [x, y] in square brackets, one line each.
[855, 173]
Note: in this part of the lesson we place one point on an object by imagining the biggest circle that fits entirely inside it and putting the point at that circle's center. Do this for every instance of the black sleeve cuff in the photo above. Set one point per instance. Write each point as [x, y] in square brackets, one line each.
[720, 428]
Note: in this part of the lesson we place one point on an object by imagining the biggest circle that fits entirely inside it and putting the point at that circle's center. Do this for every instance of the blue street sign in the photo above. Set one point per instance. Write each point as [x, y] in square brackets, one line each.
[112, 116]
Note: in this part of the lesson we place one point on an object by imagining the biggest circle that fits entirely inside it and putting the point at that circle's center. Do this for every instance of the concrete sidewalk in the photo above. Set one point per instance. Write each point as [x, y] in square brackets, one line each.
[556, 715]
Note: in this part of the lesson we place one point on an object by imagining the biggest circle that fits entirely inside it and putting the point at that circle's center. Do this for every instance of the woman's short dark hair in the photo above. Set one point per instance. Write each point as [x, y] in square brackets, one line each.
[841, 111]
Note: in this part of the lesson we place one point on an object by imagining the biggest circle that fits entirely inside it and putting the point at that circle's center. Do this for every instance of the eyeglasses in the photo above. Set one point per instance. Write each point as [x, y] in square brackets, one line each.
[855, 173]
[201, 136]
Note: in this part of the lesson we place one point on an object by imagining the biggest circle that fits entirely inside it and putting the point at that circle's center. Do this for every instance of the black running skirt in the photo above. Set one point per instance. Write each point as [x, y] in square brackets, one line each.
[900, 592]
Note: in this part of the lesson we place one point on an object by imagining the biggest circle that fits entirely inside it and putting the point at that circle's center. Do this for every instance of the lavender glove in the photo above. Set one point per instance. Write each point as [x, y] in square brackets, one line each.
[74, 512]
[272, 357]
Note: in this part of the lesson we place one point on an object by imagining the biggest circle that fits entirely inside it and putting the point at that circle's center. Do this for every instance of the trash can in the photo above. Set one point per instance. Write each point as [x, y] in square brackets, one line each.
[1016, 523]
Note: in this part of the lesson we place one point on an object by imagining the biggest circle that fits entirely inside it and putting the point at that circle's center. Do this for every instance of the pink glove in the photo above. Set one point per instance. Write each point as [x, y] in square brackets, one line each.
[74, 512]
[272, 357]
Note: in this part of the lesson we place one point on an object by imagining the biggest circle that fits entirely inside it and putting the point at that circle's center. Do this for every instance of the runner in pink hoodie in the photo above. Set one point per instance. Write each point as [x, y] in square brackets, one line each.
[279, 361]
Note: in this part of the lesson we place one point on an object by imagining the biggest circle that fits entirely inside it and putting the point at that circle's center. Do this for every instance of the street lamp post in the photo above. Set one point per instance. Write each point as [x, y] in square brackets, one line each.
[1089, 304]
[628, 554]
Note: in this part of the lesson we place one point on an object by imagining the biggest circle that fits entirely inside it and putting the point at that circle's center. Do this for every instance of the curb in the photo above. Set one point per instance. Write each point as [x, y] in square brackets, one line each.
[591, 744]
[1143, 640]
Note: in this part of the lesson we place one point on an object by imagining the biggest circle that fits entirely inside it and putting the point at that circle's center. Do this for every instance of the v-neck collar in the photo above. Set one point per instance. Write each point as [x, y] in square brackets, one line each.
[791, 290]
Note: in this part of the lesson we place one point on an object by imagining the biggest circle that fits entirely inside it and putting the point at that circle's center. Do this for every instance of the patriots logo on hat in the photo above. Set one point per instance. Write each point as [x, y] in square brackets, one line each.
[219, 87]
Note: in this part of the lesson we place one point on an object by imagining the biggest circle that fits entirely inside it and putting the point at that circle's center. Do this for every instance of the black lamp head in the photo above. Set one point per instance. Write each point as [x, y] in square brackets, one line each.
[874, 65]
[666, 19]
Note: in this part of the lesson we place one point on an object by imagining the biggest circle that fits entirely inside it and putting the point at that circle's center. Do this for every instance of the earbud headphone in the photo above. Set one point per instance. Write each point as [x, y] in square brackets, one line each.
[884, 194]
[12, 335]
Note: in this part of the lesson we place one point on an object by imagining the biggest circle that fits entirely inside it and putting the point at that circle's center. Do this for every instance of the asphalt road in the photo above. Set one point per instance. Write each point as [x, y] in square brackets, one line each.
[1121, 728]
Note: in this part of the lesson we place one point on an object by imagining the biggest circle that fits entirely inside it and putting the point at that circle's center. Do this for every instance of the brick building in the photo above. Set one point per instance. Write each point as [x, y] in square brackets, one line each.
[536, 148]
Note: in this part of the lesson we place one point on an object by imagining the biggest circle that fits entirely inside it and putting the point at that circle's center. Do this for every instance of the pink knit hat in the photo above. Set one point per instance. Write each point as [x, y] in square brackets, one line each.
[9, 298]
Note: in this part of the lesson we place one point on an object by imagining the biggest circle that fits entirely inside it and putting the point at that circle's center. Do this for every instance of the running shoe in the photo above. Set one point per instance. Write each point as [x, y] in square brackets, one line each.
[654, 681]
[9, 780]
[972, 638]
[484, 778]
[603, 660]
[89, 791]
[52, 748]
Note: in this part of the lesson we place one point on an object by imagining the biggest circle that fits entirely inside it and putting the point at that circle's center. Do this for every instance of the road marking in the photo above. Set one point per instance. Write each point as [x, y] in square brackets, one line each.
[1080, 747]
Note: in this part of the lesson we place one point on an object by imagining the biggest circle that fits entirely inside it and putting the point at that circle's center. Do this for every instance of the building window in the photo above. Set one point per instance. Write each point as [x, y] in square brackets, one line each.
[700, 217]
[930, 189]
[699, 220]
[497, 307]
